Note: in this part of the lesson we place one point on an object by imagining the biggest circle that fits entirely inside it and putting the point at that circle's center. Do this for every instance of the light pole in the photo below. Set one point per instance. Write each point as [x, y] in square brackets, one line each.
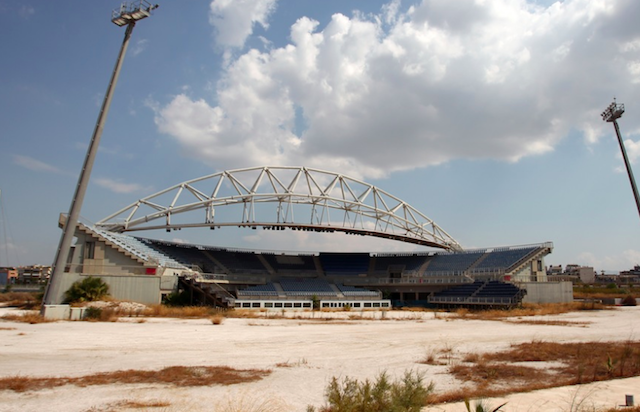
[611, 115]
[127, 14]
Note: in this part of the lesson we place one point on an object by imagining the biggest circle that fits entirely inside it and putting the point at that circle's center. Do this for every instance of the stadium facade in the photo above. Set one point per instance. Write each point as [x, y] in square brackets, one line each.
[298, 198]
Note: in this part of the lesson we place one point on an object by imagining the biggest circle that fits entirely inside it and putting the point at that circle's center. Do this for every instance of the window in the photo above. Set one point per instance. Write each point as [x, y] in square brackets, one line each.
[278, 304]
[356, 304]
[325, 305]
[306, 305]
[288, 305]
[255, 305]
[268, 304]
[89, 250]
[297, 305]
[376, 304]
[385, 304]
[246, 304]
[367, 304]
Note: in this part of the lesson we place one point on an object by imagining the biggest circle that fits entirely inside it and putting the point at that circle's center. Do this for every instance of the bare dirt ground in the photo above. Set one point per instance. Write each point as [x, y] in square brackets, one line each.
[303, 355]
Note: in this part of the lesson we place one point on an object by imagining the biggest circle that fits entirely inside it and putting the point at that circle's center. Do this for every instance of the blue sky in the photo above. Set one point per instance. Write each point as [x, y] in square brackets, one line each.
[483, 115]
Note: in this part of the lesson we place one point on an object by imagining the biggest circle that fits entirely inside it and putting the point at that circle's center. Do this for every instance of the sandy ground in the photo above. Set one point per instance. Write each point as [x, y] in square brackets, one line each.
[302, 353]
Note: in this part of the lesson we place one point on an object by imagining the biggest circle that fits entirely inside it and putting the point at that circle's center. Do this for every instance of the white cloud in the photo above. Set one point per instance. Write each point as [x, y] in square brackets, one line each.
[496, 79]
[139, 47]
[633, 150]
[627, 259]
[121, 187]
[35, 165]
[233, 20]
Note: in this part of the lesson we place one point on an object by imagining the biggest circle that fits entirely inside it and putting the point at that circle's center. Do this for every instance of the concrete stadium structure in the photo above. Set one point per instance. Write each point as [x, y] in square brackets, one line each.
[298, 198]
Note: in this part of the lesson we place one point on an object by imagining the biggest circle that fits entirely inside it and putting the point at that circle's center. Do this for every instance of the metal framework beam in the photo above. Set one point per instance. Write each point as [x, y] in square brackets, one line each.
[304, 199]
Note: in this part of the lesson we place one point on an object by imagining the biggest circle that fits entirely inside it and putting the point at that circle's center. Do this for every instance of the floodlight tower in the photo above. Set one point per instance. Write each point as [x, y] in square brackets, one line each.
[611, 115]
[126, 15]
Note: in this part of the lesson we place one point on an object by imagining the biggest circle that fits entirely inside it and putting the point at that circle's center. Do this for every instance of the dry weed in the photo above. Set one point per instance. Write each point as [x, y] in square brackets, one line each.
[217, 319]
[182, 312]
[24, 300]
[129, 404]
[288, 364]
[27, 317]
[494, 374]
[549, 322]
[182, 376]
[527, 309]
[250, 402]
[248, 314]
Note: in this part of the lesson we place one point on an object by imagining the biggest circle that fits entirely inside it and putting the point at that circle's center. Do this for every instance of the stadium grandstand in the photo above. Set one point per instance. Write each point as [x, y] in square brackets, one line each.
[444, 274]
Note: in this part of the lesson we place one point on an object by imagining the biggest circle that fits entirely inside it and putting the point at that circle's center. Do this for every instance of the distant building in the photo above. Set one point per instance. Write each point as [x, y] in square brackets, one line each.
[574, 273]
[631, 276]
[8, 275]
[33, 275]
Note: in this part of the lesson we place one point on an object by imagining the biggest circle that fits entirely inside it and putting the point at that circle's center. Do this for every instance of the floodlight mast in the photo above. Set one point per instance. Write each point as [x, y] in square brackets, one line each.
[128, 14]
[611, 115]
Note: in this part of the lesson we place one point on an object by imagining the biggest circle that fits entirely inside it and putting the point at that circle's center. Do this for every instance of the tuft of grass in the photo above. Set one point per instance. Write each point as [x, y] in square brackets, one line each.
[181, 376]
[481, 407]
[217, 319]
[250, 402]
[288, 364]
[129, 404]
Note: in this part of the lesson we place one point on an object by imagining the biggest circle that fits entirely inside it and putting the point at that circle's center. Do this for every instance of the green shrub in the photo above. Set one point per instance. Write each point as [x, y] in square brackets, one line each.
[179, 298]
[350, 395]
[87, 290]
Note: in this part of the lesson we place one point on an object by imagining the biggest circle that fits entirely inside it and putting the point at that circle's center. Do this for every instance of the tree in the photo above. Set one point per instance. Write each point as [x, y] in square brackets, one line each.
[87, 290]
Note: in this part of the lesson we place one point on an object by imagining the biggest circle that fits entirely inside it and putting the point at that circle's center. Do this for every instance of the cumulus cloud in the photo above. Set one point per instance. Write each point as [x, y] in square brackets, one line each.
[633, 150]
[121, 187]
[497, 79]
[627, 259]
[233, 20]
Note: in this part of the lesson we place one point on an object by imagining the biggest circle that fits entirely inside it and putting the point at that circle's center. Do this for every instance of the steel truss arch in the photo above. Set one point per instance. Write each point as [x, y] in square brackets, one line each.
[362, 208]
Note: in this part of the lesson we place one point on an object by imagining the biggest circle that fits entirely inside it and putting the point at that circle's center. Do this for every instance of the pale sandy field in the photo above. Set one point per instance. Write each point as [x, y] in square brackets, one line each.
[312, 351]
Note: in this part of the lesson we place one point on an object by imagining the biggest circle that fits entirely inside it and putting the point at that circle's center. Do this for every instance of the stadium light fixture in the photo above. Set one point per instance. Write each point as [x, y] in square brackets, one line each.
[127, 14]
[611, 115]
[130, 13]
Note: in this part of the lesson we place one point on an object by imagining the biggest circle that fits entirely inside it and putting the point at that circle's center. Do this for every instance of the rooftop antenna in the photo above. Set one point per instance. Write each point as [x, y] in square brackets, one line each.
[611, 115]
[126, 15]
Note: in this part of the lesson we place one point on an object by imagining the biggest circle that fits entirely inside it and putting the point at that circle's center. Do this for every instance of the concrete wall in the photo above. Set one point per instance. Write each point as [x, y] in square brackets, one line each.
[547, 292]
[106, 260]
[142, 289]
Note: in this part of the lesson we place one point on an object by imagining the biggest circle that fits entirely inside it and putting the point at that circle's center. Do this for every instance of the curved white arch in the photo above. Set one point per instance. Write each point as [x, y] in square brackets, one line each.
[362, 208]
